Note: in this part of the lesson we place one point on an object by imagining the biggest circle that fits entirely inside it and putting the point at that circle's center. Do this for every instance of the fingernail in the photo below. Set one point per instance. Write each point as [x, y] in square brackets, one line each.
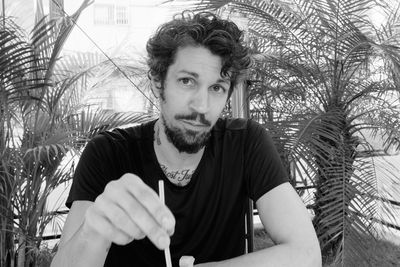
[163, 241]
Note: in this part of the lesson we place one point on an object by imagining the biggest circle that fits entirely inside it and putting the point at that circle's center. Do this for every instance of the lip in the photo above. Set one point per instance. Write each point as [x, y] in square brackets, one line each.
[194, 124]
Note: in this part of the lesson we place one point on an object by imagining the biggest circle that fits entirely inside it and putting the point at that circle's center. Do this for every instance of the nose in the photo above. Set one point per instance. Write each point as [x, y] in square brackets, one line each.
[200, 101]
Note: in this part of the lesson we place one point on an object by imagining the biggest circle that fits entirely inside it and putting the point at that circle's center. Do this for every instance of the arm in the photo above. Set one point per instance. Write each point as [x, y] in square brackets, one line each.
[127, 209]
[75, 241]
[287, 221]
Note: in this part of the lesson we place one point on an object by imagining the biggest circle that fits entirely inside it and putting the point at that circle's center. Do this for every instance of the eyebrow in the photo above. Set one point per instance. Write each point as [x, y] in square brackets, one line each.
[196, 75]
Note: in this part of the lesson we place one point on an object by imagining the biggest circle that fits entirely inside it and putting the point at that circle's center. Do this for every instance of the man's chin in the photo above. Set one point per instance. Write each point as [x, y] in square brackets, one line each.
[187, 140]
[192, 143]
[195, 135]
[189, 149]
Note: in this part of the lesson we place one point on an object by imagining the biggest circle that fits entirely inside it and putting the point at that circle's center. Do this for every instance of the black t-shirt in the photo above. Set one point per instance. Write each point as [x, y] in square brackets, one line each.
[239, 161]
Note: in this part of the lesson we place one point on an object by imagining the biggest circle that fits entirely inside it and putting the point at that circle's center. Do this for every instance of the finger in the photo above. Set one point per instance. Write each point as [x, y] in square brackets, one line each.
[103, 227]
[118, 218]
[143, 219]
[151, 202]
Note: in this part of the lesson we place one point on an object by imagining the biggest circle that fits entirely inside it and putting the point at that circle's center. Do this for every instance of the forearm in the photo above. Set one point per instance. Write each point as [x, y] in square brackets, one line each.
[279, 255]
[82, 250]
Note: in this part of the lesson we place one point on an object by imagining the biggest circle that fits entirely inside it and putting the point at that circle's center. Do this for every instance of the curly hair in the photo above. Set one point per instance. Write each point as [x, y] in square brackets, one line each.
[222, 37]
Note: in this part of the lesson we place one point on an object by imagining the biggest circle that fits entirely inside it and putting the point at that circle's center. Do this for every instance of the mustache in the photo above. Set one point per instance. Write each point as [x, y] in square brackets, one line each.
[193, 117]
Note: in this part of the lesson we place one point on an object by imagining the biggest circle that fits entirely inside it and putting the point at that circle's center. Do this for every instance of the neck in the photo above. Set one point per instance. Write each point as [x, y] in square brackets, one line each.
[168, 154]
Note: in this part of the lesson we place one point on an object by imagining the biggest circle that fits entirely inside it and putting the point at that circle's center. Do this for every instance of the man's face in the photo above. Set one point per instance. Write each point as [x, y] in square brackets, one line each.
[193, 97]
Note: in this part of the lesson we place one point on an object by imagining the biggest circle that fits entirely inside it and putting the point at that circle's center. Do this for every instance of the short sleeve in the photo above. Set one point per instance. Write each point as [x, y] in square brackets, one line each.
[263, 167]
[90, 176]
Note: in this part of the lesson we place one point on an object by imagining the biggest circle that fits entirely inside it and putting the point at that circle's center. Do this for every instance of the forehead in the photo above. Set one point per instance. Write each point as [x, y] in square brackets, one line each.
[197, 59]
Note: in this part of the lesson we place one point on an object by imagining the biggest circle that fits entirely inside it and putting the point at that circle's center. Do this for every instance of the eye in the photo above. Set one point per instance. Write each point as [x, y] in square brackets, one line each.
[218, 89]
[186, 81]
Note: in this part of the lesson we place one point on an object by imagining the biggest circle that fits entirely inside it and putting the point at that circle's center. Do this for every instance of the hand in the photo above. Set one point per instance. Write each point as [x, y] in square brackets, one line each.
[186, 261]
[128, 209]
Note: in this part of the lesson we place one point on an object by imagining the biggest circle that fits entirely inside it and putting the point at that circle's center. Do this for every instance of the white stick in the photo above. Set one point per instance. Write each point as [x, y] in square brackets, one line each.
[162, 197]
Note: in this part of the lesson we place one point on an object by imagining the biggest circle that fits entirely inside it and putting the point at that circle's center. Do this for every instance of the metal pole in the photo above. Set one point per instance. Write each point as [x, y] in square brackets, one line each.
[4, 13]
[240, 109]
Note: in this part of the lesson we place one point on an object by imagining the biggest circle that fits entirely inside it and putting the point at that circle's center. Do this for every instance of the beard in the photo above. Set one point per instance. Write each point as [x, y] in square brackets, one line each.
[185, 140]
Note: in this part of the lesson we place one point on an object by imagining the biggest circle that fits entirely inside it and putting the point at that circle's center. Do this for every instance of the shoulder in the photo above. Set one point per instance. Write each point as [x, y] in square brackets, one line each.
[238, 125]
[239, 133]
[125, 135]
[243, 132]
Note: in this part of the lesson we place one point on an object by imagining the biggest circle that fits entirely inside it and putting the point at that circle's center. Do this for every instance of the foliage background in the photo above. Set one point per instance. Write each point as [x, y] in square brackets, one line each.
[325, 81]
[43, 124]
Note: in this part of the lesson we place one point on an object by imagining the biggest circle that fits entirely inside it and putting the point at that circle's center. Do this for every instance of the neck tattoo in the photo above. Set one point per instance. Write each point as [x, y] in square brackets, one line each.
[158, 135]
[180, 177]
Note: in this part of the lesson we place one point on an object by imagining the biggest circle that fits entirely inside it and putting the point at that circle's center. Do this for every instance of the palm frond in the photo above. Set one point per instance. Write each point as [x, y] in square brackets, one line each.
[328, 59]
[346, 204]
[90, 122]
[17, 65]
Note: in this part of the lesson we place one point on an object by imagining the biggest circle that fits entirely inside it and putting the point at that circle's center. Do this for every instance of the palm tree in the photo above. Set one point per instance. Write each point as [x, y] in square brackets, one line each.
[324, 75]
[42, 120]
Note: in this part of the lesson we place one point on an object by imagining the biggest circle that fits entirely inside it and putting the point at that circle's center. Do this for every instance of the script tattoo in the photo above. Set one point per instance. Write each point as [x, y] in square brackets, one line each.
[181, 177]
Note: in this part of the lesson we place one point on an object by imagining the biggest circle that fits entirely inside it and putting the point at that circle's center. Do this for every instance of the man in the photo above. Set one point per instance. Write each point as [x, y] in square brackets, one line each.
[209, 166]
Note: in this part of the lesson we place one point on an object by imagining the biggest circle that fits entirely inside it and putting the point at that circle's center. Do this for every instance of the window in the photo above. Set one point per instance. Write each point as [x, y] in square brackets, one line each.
[121, 15]
[110, 14]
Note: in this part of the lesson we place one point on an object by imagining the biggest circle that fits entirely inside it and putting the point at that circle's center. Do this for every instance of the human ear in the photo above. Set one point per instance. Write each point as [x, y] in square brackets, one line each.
[156, 85]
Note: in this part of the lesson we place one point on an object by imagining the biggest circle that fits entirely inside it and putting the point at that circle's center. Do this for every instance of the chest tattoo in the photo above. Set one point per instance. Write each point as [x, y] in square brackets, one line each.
[180, 178]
